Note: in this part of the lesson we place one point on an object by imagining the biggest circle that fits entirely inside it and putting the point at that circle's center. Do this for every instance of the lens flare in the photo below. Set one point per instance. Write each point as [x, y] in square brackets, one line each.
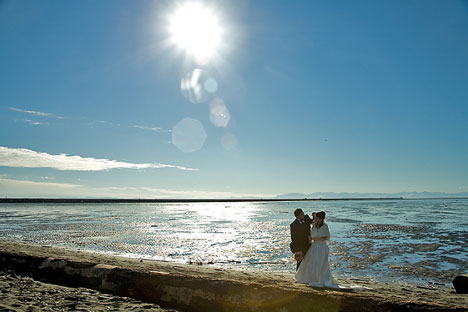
[219, 114]
[188, 135]
[211, 85]
[198, 86]
[229, 142]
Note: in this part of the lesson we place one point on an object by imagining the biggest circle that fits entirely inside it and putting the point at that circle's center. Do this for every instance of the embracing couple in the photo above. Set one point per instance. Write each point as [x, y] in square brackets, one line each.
[309, 245]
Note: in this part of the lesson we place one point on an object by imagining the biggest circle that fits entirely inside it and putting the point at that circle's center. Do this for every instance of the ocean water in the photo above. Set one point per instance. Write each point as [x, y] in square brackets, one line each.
[409, 241]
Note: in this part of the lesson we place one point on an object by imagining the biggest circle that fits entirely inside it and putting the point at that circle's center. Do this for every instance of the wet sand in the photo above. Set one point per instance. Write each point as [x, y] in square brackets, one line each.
[201, 288]
[416, 258]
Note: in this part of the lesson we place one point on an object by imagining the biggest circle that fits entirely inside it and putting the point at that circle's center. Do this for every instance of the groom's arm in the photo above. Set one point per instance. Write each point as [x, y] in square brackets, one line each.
[320, 239]
[293, 239]
[308, 220]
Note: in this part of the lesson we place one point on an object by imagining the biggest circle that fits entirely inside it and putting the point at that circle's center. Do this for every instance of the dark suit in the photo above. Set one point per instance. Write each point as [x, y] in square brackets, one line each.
[300, 235]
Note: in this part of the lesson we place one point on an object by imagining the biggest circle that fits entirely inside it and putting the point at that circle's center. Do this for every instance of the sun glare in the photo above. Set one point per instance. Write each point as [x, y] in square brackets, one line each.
[195, 28]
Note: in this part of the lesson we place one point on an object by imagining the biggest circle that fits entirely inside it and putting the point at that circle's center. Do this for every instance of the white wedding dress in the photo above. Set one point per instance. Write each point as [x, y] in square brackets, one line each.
[314, 269]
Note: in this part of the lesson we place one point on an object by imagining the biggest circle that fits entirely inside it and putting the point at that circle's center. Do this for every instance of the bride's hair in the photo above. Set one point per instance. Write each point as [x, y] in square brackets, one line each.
[321, 215]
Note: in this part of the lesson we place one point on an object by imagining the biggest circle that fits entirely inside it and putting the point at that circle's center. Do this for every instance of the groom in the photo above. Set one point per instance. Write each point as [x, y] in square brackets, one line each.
[300, 231]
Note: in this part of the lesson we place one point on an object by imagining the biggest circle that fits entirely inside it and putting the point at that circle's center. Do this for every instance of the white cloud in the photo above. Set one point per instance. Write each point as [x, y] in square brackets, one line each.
[158, 129]
[21, 188]
[150, 192]
[35, 123]
[31, 112]
[103, 122]
[26, 158]
[91, 123]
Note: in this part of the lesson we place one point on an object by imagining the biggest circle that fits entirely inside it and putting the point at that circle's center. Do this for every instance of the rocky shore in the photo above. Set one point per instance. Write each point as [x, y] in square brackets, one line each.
[92, 281]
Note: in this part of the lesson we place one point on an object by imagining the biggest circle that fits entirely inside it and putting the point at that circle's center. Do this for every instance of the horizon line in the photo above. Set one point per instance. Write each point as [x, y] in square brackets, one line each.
[195, 200]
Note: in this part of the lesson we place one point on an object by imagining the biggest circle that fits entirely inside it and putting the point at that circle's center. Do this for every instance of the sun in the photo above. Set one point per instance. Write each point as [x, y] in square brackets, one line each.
[195, 29]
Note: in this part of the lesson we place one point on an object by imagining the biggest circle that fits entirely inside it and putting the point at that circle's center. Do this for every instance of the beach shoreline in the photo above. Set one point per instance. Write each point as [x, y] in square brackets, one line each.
[202, 288]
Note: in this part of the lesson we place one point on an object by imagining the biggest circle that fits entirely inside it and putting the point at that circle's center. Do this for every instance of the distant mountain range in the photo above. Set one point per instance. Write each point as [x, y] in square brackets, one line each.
[408, 195]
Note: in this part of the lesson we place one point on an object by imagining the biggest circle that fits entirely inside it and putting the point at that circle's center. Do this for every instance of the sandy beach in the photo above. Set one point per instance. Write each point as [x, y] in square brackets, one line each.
[22, 293]
[188, 287]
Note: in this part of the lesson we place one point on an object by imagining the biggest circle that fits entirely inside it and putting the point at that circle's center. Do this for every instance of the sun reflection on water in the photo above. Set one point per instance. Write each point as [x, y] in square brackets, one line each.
[385, 239]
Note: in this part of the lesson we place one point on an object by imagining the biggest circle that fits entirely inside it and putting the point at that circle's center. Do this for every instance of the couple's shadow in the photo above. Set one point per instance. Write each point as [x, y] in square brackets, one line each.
[344, 289]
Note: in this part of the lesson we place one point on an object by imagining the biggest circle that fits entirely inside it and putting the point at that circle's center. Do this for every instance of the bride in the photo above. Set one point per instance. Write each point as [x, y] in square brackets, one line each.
[314, 269]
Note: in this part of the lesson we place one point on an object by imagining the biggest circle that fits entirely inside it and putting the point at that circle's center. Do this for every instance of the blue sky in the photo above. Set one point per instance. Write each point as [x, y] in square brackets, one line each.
[323, 96]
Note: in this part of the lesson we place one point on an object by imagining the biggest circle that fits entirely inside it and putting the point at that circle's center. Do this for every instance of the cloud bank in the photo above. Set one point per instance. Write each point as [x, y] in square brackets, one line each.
[26, 158]
[22, 188]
